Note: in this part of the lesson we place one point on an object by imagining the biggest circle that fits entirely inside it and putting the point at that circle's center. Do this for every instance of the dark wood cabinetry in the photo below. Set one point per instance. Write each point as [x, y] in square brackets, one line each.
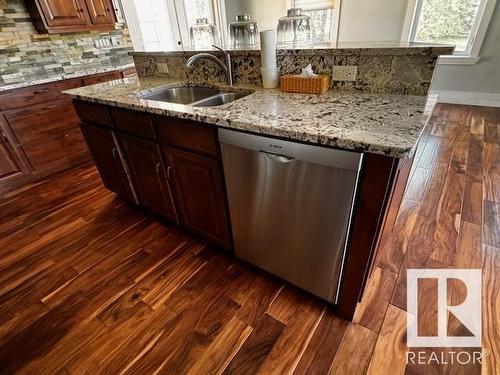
[149, 175]
[48, 133]
[60, 16]
[174, 166]
[40, 130]
[100, 12]
[107, 156]
[8, 165]
[100, 78]
[198, 188]
[63, 13]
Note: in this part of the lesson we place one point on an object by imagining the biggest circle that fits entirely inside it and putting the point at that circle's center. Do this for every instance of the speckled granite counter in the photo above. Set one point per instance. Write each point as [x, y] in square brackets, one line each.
[61, 77]
[384, 124]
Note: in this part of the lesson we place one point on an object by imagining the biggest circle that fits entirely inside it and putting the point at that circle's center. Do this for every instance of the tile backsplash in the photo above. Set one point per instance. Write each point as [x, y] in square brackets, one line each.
[380, 70]
[26, 55]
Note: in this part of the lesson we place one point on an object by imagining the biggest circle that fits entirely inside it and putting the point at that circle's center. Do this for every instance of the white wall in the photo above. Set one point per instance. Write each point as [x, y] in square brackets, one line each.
[372, 20]
[483, 77]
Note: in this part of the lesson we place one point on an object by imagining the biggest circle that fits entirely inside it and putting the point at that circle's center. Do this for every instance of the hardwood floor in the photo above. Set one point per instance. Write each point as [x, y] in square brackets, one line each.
[90, 284]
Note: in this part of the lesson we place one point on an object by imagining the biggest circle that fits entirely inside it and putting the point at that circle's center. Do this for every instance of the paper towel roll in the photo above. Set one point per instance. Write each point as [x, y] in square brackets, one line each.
[268, 48]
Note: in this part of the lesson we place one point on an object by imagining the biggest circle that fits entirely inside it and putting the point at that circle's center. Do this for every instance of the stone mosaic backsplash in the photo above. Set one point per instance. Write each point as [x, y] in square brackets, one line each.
[26, 55]
[380, 70]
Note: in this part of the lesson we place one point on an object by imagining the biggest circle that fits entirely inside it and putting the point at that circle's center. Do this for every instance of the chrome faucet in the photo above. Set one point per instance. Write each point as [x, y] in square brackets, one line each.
[227, 66]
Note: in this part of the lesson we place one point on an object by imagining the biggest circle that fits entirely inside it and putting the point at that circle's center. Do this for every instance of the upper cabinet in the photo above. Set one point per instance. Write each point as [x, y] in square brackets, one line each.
[101, 12]
[61, 16]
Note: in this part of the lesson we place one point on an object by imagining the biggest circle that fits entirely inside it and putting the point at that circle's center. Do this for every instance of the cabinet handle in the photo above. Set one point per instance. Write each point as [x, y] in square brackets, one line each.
[158, 169]
[115, 154]
[38, 92]
[169, 172]
[48, 108]
[4, 136]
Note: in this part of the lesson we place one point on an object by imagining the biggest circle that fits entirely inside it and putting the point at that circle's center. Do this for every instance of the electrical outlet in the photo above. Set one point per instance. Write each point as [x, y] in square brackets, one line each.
[344, 73]
[162, 68]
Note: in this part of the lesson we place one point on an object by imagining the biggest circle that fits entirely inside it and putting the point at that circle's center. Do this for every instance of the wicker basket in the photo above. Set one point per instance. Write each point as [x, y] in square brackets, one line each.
[306, 85]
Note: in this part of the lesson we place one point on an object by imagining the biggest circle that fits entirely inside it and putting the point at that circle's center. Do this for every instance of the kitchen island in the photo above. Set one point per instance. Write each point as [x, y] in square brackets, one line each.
[167, 158]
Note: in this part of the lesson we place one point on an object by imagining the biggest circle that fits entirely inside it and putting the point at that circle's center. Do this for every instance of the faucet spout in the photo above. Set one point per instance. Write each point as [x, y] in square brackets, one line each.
[226, 67]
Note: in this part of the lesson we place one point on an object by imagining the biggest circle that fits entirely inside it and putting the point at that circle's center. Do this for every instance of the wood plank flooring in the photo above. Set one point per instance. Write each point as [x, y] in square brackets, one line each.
[89, 284]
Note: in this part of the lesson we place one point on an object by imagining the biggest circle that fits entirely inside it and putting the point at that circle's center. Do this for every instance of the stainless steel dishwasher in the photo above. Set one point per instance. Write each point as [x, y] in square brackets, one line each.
[291, 206]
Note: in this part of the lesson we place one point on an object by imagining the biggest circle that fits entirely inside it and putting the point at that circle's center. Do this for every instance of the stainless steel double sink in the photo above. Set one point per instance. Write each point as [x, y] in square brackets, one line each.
[193, 95]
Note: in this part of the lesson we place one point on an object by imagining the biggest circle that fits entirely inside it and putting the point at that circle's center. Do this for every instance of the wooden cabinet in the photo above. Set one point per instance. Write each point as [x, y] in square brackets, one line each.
[49, 135]
[60, 16]
[199, 193]
[148, 175]
[100, 12]
[9, 166]
[174, 166]
[40, 120]
[42, 133]
[14, 169]
[64, 13]
[100, 78]
[187, 135]
[108, 158]
[37, 94]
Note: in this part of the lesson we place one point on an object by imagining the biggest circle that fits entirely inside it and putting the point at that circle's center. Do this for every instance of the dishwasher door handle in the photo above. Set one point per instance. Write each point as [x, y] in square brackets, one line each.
[279, 158]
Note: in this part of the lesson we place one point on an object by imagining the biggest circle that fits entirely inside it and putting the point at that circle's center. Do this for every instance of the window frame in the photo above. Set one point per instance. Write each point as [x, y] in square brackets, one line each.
[220, 5]
[133, 24]
[216, 8]
[478, 32]
[334, 31]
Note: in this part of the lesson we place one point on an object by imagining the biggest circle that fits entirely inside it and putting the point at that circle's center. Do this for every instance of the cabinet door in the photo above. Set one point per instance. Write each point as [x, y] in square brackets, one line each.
[101, 12]
[106, 154]
[8, 164]
[64, 13]
[199, 194]
[49, 135]
[149, 176]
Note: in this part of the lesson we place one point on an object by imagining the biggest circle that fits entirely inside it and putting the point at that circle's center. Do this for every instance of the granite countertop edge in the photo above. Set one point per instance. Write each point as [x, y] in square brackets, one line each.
[230, 116]
[63, 76]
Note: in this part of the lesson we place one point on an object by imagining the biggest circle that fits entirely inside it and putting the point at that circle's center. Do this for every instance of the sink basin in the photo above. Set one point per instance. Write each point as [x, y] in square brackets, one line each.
[197, 96]
[222, 98]
[181, 95]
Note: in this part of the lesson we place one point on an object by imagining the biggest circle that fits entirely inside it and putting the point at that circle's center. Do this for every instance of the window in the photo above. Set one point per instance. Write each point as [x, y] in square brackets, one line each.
[163, 25]
[203, 35]
[321, 13]
[198, 9]
[149, 24]
[462, 23]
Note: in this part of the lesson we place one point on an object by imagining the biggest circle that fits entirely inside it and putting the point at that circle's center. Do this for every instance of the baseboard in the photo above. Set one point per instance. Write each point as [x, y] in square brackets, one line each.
[467, 97]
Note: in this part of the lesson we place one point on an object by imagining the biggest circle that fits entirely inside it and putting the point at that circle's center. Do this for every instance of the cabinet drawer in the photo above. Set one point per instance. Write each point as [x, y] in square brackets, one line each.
[133, 122]
[93, 113]
[57, 151]
[37, 94]
[42, 120]
[187, 135]
[100, 78]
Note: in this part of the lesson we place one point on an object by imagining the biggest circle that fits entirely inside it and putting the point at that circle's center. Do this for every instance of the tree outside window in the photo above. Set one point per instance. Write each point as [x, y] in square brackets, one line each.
[447, 21]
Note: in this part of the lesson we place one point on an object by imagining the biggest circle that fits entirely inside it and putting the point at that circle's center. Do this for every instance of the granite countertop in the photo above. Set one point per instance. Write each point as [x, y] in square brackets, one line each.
[384, 124]
[63, 76]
